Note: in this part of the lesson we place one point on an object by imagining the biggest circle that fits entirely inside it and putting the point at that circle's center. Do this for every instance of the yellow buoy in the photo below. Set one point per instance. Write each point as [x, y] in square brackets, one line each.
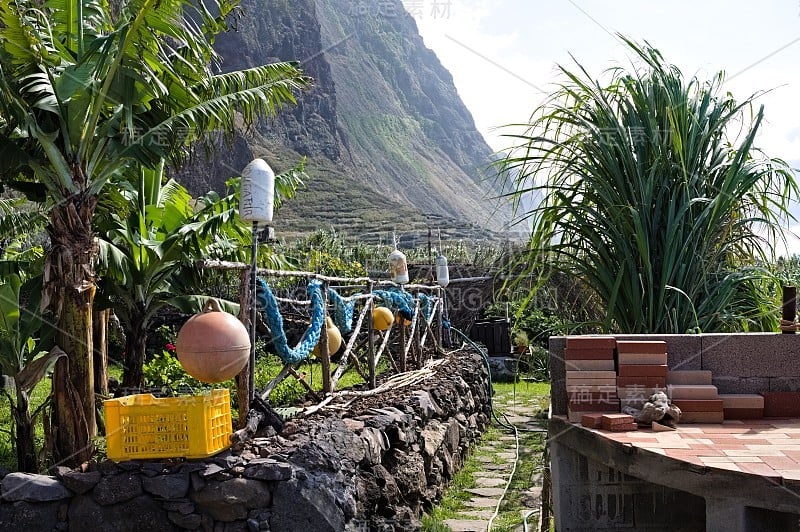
[334, 338]
[381, 318]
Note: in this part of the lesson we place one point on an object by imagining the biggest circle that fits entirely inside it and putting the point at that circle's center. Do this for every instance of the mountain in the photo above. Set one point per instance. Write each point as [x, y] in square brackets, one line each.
[389, 143]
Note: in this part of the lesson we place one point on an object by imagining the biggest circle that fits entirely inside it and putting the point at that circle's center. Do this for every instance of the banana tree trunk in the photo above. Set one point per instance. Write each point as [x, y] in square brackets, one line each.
[69, 292]
[26, 452]
[135, 349]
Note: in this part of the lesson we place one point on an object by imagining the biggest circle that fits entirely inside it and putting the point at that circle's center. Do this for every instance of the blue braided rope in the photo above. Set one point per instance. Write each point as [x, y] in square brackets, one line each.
[269, 306]
[399, 300]
[342, 311]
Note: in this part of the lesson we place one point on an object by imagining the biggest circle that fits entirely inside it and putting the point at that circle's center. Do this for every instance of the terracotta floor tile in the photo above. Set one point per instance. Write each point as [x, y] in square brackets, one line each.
[731, 467]
[655, 450]
[724, 429]
[751, 452]
[703, 450]
[780, 462]
[783, 448]
[724, 441]
[760, 469]
[716, 459]
[791, 474]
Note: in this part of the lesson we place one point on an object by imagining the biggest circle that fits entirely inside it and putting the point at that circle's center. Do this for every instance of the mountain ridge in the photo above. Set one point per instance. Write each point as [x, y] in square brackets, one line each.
[389, 143]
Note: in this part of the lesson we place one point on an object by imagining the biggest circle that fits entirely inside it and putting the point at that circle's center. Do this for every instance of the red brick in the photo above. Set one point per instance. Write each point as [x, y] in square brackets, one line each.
[647, 382]
[591, 342]
[591, 421]
[641, 358]
[592, 397]
[698, 405]
[573, 374]
[689, 377]
[607, 406]
[643, 370]
[609, 420]
[781, 404]
[589, 365]
[692, 391]
[622, 428]
[743, 413]
[742, 400]
[636, 346]
[571, 353]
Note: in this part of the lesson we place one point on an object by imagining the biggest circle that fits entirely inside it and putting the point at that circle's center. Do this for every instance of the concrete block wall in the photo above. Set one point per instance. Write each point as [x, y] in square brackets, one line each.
[740, 363]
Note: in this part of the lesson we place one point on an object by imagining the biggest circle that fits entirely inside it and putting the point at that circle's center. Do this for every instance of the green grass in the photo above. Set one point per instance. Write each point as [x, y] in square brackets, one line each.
[535, 398]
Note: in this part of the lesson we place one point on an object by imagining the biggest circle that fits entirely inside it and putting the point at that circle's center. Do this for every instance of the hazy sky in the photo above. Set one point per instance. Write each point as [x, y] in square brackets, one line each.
[503, 53]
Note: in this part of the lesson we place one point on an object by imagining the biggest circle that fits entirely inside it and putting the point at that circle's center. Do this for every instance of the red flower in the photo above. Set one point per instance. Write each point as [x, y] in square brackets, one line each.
[170, 347]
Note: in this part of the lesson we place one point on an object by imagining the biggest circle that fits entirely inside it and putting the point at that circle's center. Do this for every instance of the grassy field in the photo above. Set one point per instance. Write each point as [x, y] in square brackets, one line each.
[534, 399]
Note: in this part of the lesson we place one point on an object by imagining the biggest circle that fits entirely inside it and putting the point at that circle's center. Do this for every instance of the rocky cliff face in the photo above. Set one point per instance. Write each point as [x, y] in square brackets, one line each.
[389, 143]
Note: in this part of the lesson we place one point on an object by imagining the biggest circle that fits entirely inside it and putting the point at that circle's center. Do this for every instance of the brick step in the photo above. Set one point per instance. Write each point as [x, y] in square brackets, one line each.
[698, 405]
[643, 370]
[638, 346]
[647, 382]
[571, 353]
[689, 377]
[781, 404]
[742, 400]
[743, 413]
[692, 391]
[590, 365]
[592, 342]
[641, 358]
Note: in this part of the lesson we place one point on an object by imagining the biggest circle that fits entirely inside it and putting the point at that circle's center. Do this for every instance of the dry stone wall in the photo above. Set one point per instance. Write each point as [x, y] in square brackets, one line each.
[377, 465]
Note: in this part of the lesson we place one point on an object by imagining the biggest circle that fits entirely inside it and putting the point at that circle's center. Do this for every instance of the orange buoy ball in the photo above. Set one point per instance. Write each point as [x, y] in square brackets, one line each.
[213, 346]
[398, 319]
[381, 318]
[334, 338]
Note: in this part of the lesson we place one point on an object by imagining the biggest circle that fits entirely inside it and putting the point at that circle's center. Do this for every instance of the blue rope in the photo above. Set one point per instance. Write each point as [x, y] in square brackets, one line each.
[269, 306]
[398, 300]
[342, 311]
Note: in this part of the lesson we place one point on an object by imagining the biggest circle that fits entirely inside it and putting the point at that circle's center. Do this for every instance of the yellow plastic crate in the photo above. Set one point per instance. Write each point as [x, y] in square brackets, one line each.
[144, 426]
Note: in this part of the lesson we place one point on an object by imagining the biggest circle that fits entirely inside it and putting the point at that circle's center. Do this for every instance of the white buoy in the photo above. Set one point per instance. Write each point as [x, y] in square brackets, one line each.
[257, 194]
[442, 273]
[398, 268]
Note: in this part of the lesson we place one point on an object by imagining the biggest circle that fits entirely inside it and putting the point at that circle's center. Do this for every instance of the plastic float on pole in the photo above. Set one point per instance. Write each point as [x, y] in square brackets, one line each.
[256, 205]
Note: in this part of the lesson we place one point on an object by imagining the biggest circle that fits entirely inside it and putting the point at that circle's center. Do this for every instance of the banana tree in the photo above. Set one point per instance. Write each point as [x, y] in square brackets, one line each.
[146, 253]
[87, 91]
[24, 358]
[153, 235]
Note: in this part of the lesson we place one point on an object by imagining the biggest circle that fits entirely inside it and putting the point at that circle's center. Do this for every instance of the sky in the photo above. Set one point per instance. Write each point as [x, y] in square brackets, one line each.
[503, 54]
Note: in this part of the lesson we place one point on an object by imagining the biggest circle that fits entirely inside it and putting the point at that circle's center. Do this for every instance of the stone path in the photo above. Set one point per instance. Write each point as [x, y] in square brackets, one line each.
[497, 460]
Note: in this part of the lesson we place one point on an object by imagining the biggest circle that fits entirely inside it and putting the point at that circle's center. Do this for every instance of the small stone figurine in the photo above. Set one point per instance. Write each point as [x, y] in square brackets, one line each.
[657, 412]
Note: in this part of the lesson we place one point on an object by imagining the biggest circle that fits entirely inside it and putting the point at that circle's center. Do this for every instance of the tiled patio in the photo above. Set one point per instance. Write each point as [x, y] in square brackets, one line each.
[766, 447]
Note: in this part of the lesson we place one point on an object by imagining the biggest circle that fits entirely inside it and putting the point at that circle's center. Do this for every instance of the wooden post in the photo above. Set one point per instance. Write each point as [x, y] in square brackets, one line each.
[322, 353]
[100, 344]
[420, 317]
[439, 314]
[403, 367]
[243, 378]
[789, 309]
[370, 341]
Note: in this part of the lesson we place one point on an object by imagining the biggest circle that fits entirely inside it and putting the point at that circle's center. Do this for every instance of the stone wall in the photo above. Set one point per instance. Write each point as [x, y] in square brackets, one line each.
[739, 363]
[376, 465]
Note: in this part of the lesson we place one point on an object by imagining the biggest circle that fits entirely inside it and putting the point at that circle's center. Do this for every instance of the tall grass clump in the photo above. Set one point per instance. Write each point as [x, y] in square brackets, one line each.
[654, 196]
